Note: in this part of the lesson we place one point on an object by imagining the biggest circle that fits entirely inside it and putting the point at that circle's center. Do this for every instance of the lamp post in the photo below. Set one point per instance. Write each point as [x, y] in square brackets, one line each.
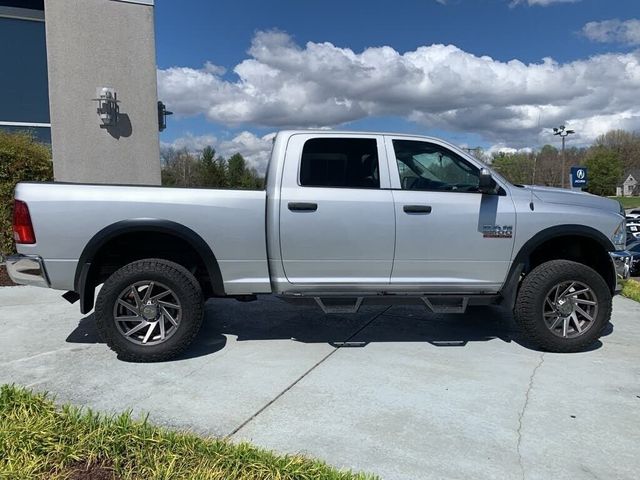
[564, 133]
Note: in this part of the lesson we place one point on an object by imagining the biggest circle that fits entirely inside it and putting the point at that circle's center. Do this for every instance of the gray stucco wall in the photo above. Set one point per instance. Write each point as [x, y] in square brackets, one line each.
[102, 43]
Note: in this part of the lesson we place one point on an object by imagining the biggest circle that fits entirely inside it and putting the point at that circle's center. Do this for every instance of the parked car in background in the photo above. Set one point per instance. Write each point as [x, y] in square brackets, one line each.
[346, 219]
[634, 249]
[633, 230]
[634, 214]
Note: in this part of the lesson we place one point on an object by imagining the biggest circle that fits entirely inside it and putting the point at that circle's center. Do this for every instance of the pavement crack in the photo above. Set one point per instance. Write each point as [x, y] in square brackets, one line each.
[44, 354]
[524, 408]
[297, 380]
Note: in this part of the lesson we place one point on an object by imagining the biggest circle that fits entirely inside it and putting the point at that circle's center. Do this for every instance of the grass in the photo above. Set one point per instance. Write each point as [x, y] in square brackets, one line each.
[628, 202]
[40, 440]
[631, 289]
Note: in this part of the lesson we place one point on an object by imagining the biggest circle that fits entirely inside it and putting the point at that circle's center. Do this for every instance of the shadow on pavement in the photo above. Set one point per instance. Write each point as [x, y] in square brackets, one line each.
[272, 319]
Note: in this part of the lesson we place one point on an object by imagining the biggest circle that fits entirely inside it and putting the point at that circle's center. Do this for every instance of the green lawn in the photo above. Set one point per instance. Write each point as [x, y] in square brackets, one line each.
[40, 440]
[631, 289]
[628, 202]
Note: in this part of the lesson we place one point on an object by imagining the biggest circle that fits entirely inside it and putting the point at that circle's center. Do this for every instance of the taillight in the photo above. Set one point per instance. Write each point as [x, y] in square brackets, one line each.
[22, 227]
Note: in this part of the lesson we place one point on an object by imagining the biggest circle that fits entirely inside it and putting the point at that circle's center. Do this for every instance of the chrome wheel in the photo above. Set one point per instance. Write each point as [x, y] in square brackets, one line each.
[570, 309]
[147, 313]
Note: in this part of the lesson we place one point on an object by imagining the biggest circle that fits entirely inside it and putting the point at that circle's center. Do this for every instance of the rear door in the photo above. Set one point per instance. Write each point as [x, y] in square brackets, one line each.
[337, 221]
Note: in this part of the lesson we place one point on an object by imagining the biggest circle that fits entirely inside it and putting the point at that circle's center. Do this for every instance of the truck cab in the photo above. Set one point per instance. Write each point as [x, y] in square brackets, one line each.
[385, 213]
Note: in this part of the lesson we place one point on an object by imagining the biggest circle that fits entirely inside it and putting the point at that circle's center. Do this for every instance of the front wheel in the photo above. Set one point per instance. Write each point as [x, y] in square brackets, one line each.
[563, 306]
[149, 310]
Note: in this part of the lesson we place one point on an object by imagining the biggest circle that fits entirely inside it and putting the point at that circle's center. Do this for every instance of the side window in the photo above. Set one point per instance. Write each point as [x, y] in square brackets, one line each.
[340, 162]
[426, 166]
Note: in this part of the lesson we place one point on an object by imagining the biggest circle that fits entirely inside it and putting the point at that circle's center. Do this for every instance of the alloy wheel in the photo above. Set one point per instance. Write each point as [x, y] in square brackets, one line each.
[570, 309]
[147, 313]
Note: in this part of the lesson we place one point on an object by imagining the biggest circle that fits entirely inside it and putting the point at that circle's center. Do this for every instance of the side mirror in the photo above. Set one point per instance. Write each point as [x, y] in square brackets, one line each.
[486, 183]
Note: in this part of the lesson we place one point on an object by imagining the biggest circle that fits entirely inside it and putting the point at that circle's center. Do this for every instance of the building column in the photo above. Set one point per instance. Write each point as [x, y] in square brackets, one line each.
[95, 44]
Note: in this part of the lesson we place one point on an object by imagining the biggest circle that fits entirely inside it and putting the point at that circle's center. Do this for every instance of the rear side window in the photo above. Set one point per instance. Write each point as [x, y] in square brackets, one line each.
[340, 163]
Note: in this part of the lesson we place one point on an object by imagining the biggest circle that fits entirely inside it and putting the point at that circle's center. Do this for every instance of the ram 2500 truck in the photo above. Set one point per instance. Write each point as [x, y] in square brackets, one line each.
[345, 219]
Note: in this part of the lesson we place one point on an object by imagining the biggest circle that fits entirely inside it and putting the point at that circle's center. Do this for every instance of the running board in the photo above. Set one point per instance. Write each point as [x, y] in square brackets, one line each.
[444, 304]
[339, 305]
[435, 303]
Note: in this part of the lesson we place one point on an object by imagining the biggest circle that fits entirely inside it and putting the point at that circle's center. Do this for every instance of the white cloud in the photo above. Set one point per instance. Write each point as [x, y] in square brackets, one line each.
[283, 84]
[542, 3]
[255, 150]
[193, 143]
[614, 31]
[502, 148]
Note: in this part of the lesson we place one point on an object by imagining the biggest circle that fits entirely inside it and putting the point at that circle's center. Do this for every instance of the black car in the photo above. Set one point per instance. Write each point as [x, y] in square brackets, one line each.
[634, 248]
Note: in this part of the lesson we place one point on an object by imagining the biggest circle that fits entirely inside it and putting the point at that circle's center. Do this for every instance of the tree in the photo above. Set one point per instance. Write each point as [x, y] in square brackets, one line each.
[548, 166]
[516, 167]
[625, 144]
[212, 172]
[236, 168]
[605, 170]
[179, 168]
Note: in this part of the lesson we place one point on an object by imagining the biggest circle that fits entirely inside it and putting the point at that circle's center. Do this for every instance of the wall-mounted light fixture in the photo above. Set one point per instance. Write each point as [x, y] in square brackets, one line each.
[107, 99]
[163, 113]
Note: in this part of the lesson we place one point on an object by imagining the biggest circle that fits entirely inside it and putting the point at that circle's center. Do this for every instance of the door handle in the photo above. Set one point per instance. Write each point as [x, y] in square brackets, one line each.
[303, 207]
[417, 209]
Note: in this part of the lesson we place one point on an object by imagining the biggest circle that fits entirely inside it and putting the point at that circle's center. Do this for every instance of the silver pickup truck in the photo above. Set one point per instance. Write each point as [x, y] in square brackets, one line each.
[346, 219]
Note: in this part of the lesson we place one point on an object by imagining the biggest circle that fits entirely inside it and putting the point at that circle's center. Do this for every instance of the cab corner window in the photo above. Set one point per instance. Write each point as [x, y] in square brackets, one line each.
[340, 163]
[427, 166]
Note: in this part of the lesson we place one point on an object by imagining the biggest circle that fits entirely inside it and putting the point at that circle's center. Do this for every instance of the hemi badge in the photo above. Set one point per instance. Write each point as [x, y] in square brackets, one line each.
[497, 231]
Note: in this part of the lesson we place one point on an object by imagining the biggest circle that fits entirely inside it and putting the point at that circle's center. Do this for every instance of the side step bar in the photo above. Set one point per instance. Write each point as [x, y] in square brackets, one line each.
[436, 304]
[445, 304]
[339, 305]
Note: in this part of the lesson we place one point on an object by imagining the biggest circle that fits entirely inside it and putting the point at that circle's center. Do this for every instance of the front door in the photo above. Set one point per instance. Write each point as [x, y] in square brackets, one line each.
[337, 223]
[449, 236]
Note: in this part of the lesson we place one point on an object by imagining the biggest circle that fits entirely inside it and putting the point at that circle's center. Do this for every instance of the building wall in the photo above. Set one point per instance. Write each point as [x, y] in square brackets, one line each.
[93, 44]
[629, 187]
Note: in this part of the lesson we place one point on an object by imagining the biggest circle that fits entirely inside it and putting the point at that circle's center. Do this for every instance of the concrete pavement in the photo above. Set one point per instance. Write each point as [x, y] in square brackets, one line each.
[409, 395]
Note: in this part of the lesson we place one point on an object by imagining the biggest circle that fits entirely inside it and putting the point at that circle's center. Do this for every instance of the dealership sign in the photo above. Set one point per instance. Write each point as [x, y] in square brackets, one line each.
[578, 177]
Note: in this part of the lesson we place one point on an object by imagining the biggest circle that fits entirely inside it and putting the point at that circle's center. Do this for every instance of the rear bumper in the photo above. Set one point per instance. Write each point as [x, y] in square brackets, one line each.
[622, 263]
[27, 270]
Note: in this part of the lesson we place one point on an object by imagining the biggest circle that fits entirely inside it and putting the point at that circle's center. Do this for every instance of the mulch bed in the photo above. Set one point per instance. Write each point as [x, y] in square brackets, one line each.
[5, 281]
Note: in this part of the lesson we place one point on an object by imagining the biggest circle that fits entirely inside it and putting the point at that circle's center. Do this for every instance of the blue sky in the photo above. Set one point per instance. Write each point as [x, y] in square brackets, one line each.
[190, 33]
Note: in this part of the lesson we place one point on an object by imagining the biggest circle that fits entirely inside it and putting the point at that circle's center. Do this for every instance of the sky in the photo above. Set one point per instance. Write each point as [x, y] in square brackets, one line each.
[498, 74]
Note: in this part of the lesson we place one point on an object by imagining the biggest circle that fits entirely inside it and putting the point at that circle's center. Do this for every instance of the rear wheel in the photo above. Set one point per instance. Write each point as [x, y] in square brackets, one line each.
[149, 310]
[563, 306]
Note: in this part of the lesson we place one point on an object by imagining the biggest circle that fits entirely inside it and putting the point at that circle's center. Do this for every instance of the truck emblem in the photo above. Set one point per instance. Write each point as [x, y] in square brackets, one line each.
[497, 231]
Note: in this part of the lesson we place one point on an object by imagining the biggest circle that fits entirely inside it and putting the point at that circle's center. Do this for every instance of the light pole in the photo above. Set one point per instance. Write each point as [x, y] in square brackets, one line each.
[564, 133]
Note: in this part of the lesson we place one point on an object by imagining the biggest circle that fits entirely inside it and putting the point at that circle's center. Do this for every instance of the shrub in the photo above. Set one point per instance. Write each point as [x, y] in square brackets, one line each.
[22, 158]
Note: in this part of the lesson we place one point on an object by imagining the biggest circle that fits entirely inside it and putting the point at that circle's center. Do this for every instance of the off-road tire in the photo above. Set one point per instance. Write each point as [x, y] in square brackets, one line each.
[530, 302]
[179, 280]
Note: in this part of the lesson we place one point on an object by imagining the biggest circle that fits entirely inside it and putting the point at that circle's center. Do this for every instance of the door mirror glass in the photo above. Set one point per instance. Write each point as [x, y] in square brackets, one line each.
[486, 183]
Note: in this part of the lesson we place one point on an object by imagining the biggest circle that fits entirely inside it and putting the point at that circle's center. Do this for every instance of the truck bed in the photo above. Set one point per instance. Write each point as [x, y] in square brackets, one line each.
[67, 216]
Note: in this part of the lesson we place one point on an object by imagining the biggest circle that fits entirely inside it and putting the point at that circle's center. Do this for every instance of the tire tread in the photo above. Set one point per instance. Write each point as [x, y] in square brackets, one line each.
[173, 271]
[530, 295]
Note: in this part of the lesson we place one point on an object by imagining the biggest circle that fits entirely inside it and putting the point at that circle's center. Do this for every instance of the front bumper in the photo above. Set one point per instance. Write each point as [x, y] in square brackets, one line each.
[27, 270]
[622, 263]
